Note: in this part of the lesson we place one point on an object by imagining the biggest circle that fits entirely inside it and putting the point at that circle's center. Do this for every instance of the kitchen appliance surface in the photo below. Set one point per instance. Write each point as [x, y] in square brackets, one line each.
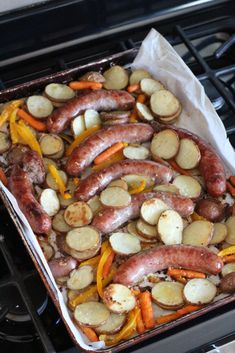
[203, 34]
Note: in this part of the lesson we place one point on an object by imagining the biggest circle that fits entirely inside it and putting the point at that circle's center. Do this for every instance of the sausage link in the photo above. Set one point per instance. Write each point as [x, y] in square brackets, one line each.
[195, 258]
[98, 100]
[96, 182]
[109, 219]
[84, 154]
[211, 165]
[21, 188]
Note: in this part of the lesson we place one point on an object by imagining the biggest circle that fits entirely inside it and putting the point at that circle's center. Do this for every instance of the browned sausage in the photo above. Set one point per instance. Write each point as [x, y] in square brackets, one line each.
[117, 115]
[84, 154]
[195, 258]
[21, 188]
[109, 219]
[62, 266]
[98, 100]
[96, 182]
[211, 165]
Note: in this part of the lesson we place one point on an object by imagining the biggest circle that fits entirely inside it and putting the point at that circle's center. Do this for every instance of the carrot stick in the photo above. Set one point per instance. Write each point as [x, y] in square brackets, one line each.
[78, 85]
[133, 88]
[177, 168]
[167, 318]
[230, 188]
[180, 279]
[139, 322]
[38, 125]
[188, 309]
[228, 258]
[141, 98]
[108, 265]
[89, 332]
[232, 180]
[108, 153]
[3, 177]
[145, 303]
[185, 273]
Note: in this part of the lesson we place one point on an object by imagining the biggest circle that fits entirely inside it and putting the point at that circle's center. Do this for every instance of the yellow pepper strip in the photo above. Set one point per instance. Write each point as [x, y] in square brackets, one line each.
[92, 262]
[104, 246]
[59, 181]
[125, 332]
[137, 188]
[76, 181]
[4, 116]
[227, 251]
[80, 138]
[196, 217]
[109, 278]
[66, 138]
[99, 273]
[28, 137]
[116, 157]
[13, 127]
[82, 297]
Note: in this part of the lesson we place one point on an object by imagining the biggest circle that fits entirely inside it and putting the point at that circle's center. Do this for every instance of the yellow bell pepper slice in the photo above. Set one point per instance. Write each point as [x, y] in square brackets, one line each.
[104, 246]
[137, 188]
[4, 116]
[80, 138]
[28, 137]
[99, 273]
[92, 262]
[13, 127]
[82, 297]
[116, 157]
[227, 251]
[196, 217]
[59, 181]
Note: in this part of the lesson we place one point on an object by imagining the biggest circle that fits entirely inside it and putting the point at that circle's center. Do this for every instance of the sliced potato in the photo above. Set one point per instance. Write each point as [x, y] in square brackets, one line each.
[95, 204]
[80, 278]
[59, 224]
[172, 118]
[47, 162]
[131, 228]
[164, 103]
[219, 234]
[146, 230]
[119, 299]
[135, 179]
[149, 86]
[188, 186]
[151, 210]
[198, 233]
[168, 295]
[50, 202]
[78, 214]
[120, 183]
[82, 239]
[40, 107]
[138, 75]
[51, 145]
[65, 202]
[170, 227]
[112, 325]
[5, 142]
[91, 314]
[199, 291]
[115, 196]
[188, 155]
[228, 268]
[93, 76]
[51, 183]
[124, 243]
[167, 188]
[78, 255]
[91, 118]
[144, 112]
[138, 153]
[78, 125]
[47, 249]
[115, 78]
[165, 144]
[230, 223]
[59, 92]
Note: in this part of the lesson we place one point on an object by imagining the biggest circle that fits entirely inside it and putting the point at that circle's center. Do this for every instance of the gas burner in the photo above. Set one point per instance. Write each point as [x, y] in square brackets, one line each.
[213, 94]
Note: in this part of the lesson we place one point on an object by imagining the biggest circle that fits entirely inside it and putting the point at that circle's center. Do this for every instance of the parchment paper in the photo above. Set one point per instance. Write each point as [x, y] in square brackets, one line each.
[159, 58]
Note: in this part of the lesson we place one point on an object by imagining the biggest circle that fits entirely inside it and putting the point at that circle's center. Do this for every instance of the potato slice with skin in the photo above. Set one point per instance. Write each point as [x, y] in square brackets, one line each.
[112, 325]
[5, 142]
[188, 155]
[115, 78]
[219, 234]
[139, 153]
[78, 214]
[188, 186]
[146, 230]
[93, 76]
[230, 223]
[78, 125]
[59, 224]
[47, 162]
[47, 249]
[50, 202]
[168, 295]
[91, 118]
[199, 291]
[95, 204]
[165, 144]
[228, 268]
[149, 86]
[198, 233]
[138, 75]
[119, 298]
[167, 188]
[144, 112]
[51, 183]
[78, 255]
[163, 103]
[83, 238]
[91, 314]
[40, 107]
[151, 210]
[51, 145]
[170, 227]
[135, 179]
[131, 228]
[66, 202]
[80, 278]
[115, 196]
[124, 243]
[120, 183]
[59, 92]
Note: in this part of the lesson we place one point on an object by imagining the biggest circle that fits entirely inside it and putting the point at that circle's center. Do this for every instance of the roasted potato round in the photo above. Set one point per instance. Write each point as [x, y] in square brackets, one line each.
[211, 209]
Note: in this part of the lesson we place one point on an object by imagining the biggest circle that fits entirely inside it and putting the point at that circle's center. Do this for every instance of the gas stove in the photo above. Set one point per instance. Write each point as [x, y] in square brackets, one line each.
[56, 35]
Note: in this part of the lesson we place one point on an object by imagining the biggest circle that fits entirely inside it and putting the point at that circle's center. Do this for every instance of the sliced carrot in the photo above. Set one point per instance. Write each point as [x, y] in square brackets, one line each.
[196, 217]
[145, 303]
[108, 264]
[177, 168]
[116, 157]
[78, 85]
[108, 153]
[167, 318]
[136, 292]
[80, 138]
[228, 258]
[232, 180]
[185, 273]
[37, 125]
[133, 88]
[180, 279]
[230, 188]
[89, 332]
[3, 177]
[141, 98]
[188, 309]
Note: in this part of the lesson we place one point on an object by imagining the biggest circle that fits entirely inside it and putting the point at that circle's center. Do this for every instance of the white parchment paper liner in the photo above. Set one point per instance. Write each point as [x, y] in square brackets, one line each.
[158, 57]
